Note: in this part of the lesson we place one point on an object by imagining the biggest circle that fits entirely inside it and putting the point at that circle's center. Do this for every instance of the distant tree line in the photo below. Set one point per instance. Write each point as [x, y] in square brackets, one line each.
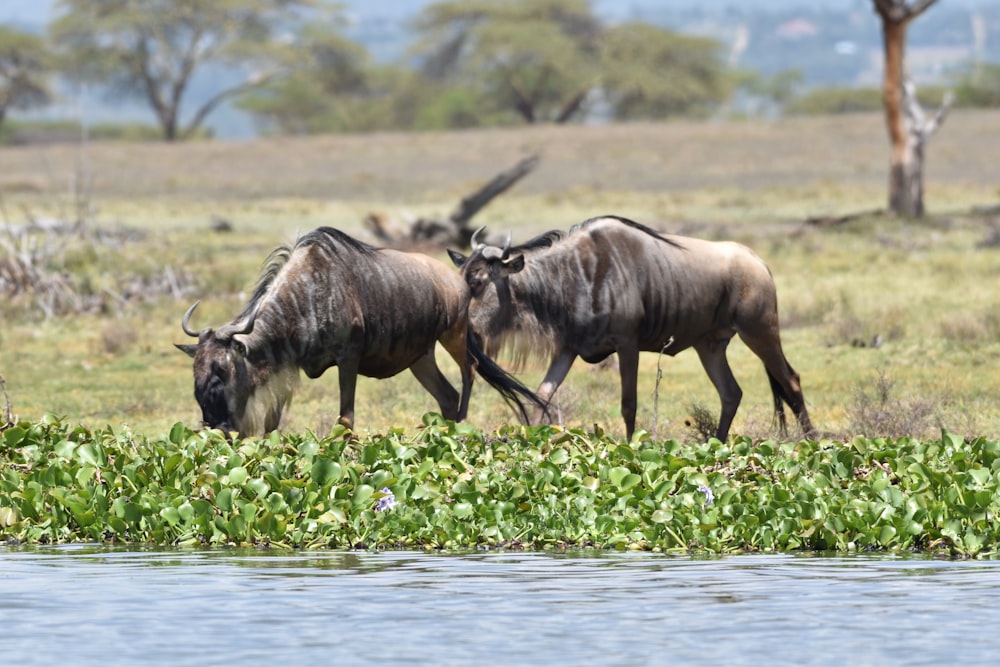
[471, 63]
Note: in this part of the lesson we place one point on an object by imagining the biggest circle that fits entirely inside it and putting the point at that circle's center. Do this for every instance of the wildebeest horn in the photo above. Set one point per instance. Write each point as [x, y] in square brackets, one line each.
[227, 332]
[474, 241]
[186, 321]
[506, 247]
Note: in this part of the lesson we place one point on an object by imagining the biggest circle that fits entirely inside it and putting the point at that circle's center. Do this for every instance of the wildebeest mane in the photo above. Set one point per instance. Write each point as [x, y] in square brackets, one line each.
[627, 222]
[544, 240]
[331, 239]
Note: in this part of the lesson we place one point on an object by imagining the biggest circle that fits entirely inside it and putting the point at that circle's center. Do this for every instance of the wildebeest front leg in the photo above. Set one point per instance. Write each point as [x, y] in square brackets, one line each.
[558, 368]
[713, 358]
[430, 377]
[347, 374]
[628, 368]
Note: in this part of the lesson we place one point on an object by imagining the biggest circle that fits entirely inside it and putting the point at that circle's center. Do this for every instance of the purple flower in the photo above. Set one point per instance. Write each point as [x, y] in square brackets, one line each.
[709, 496]
[387, 501]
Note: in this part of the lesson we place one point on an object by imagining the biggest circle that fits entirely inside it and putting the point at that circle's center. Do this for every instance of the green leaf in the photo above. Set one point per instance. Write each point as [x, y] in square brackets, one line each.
[13, 436]
[662, 516]
[171, 515]
[178, 433]
[325, 472]
[224, 500]
[886, 535]
[558, 456]
[186, 512]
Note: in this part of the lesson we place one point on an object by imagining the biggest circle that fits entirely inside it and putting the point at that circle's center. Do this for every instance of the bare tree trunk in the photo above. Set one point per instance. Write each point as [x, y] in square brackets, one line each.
[908, 133]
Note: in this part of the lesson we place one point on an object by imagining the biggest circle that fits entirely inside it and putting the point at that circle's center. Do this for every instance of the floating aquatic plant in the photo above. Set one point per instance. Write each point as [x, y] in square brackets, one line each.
[453, 486]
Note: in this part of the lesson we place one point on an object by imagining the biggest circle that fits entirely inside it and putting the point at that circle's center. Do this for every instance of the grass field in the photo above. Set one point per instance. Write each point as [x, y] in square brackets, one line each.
[924, 289]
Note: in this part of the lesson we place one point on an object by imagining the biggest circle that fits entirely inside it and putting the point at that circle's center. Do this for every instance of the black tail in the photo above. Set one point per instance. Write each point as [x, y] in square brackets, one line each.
[509, 387]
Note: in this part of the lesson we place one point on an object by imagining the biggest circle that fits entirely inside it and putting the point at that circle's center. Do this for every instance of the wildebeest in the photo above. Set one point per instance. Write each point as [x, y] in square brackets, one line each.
[612, 285]
[332, 300]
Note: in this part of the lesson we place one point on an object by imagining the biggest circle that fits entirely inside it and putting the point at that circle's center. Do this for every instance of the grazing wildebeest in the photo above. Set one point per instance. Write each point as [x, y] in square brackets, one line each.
[613, 285]
[332, 300]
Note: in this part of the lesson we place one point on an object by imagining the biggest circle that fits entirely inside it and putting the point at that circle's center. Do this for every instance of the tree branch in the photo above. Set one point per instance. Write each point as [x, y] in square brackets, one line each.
[572, 106]
[217, 99]
[898, 11]
[473, 203]
[920, 126]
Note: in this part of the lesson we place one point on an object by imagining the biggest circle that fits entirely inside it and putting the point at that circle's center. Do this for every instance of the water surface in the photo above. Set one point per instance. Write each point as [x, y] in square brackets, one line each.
[85, 605]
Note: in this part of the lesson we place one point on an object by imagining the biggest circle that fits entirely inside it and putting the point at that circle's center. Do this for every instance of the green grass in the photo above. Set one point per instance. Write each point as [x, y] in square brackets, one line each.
[925, 288]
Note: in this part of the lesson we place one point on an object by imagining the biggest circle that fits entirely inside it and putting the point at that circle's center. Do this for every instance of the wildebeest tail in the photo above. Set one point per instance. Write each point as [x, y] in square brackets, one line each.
[509, 387]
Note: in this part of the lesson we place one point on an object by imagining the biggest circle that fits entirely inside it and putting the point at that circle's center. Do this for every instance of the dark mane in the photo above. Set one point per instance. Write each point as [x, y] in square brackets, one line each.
[327, 237]
[627, 222]
[544, 240]
[332, 239]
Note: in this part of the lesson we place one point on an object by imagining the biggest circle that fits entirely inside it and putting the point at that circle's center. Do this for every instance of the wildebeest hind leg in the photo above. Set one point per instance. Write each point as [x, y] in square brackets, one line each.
[779, 402]
[713, 358]
[782, 375]
[430, 377]
[455, 342]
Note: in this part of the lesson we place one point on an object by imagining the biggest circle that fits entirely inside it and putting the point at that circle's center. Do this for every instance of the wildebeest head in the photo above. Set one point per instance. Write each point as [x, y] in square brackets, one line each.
[221, 374]
[486, 271]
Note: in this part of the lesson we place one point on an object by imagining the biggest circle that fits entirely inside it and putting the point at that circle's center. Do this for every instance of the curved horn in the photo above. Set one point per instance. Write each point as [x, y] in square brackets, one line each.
[230, 330]
[506, 247]
[186, 321]
[474, 241]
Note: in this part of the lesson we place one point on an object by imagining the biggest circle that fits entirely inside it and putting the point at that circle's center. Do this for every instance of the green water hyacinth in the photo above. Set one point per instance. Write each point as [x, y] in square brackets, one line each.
[452, 486]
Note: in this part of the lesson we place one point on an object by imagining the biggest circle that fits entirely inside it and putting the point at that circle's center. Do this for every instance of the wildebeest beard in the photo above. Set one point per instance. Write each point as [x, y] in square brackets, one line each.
[237, 396]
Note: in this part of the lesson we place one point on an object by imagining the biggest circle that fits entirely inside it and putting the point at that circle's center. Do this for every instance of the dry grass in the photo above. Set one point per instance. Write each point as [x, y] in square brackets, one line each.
[925, 289]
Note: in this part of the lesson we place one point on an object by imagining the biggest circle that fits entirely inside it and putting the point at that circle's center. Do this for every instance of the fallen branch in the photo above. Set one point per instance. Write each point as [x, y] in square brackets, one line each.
[455, 229]
[835, 220]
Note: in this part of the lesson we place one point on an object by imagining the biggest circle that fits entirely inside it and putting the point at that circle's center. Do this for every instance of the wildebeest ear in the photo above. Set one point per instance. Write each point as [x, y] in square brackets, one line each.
[457, 258]
[514, 264]
[189, 350]
[238, 347]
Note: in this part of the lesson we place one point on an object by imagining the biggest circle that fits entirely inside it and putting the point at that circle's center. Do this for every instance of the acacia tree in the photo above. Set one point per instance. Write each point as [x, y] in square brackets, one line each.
[909, 128]
[334, 88]
[152, 49]
[539, 58]
[24, 65]
[652, 72]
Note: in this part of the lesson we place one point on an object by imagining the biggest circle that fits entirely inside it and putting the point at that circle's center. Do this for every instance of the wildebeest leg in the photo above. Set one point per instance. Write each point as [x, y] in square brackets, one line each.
[713, 358]
[767, 346]
[455, 342]
[347, 376]
[779, 404]
[628, 368]
[426, 370]
[558, 368]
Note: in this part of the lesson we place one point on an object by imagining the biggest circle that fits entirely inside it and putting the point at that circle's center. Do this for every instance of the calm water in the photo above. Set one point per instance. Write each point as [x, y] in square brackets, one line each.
[92, 606]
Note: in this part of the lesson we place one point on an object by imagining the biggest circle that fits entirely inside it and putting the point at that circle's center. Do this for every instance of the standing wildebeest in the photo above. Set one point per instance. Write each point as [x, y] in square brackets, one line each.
[613, 285]
[332, 300]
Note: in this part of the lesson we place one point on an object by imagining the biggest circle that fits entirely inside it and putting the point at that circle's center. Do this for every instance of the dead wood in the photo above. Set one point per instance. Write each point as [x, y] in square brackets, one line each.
[455, 230]
[836, 220]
